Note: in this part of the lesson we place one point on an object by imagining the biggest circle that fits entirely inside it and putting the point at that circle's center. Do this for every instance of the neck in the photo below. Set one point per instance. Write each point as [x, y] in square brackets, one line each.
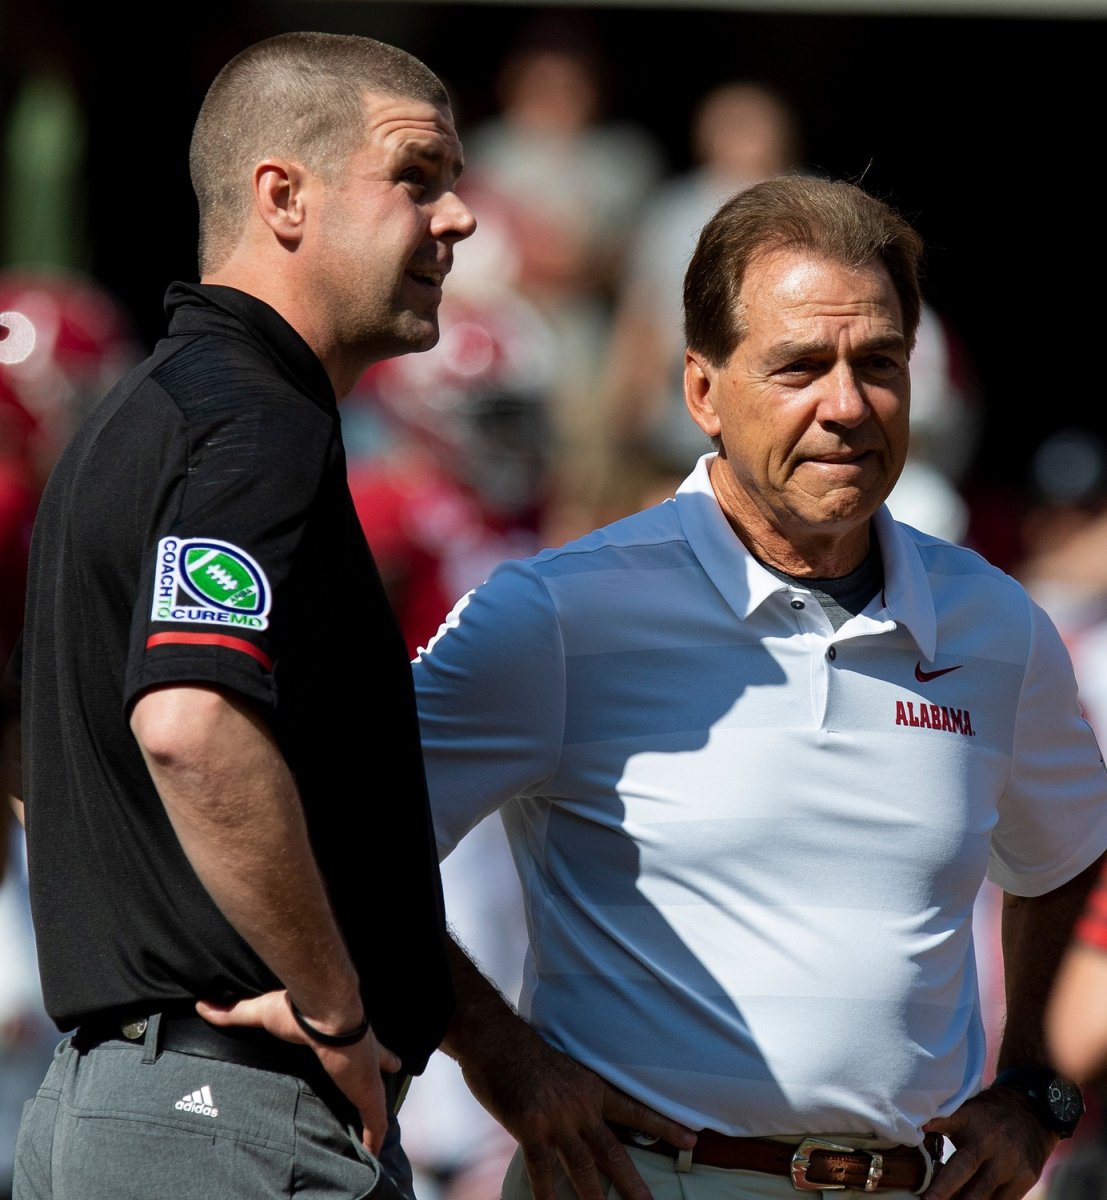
[804, 552]
[269, 287]
[814, 559]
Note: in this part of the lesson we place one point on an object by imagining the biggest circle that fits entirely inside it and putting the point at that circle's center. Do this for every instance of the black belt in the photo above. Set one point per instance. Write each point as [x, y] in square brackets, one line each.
[813, 1164]
[189, 1033]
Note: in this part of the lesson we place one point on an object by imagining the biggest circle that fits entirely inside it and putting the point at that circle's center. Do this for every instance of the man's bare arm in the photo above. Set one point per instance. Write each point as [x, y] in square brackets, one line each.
[1002, 1147]
[1076, 1016]
[557, 1110]
[234, 807]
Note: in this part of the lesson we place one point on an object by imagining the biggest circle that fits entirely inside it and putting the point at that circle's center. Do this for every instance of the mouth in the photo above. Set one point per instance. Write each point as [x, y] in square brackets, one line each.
[844, 465]
[844, 459]
[428, 278]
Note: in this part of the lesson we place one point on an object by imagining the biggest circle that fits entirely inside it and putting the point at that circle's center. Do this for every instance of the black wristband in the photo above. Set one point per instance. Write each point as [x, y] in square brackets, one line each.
[328, 1039]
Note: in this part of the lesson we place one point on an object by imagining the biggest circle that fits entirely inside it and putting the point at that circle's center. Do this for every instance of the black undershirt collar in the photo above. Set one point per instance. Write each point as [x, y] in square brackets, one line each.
[847, 595]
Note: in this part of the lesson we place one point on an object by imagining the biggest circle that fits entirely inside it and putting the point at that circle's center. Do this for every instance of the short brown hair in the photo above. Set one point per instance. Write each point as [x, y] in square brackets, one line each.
[834, 219]
[298, 95]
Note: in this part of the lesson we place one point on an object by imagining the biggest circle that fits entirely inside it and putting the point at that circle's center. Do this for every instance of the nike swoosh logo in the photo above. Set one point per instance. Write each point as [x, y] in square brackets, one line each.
[926, 676]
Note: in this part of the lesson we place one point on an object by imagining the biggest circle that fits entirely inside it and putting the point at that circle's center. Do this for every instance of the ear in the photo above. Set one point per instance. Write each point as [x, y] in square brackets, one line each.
[699, 392]
[279, 197]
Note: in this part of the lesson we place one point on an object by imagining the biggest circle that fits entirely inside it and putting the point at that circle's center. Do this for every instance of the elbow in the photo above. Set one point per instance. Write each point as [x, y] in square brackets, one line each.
[174, 726]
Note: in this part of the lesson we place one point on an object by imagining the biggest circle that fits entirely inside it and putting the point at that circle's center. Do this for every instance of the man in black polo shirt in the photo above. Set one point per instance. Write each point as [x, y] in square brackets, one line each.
[236, 913]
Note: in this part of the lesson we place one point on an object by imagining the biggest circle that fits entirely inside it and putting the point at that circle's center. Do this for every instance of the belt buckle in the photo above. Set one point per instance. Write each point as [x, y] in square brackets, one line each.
[801, 1162]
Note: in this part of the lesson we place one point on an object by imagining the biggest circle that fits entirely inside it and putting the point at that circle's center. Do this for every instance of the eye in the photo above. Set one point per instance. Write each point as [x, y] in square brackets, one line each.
[798, 370]
[881, 366]
[416, 178]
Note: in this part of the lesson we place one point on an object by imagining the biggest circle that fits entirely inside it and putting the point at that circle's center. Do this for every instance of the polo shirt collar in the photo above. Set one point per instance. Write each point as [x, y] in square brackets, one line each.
[745, 584]
[907, 597]
[740, 579]
[203, 307]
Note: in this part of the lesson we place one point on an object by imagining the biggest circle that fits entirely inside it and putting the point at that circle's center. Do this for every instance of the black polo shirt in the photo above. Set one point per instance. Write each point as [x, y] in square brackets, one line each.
[199, 529]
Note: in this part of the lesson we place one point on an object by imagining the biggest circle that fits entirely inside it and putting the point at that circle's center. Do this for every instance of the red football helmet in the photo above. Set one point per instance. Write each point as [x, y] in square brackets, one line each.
[63, 342]
[479, 399]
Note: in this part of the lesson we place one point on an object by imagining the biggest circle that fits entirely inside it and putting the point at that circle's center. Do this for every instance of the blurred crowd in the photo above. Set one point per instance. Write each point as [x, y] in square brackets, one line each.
[552, 403]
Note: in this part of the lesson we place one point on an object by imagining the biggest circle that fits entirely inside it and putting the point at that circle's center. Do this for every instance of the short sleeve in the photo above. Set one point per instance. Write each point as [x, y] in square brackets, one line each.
[490, 690]
[224, 563]
[1053, 814]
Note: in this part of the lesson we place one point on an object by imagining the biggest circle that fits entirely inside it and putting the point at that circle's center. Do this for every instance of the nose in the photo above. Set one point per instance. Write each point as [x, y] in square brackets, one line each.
[843, 401]
[452, 219]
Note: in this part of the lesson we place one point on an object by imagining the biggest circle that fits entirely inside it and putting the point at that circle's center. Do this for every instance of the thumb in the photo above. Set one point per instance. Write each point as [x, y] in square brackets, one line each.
[943, 1125]
[389, 1061]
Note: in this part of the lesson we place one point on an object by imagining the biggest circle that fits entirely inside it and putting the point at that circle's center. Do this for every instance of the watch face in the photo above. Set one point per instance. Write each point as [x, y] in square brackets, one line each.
[1065, 1101]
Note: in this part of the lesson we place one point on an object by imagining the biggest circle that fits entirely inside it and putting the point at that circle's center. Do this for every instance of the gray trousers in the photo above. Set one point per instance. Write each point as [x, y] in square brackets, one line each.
[125, 1121]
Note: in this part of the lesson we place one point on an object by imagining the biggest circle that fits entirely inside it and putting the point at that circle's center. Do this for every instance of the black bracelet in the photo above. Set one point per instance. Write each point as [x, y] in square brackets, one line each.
[329, 1039]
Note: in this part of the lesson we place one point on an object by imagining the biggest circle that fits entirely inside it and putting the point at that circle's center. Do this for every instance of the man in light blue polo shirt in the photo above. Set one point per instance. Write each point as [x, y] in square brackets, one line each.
[756, 750]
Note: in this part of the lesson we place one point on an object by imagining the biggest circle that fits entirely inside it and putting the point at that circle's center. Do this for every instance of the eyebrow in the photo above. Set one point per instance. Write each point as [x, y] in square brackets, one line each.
[785, 352]
[433, 151]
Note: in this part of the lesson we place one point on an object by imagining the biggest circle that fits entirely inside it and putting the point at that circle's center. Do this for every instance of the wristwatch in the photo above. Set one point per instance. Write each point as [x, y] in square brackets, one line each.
[1056, 1101]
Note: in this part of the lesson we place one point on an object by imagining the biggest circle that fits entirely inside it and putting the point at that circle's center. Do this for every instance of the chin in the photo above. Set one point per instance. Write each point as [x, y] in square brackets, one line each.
[412, 339]
[421, 333]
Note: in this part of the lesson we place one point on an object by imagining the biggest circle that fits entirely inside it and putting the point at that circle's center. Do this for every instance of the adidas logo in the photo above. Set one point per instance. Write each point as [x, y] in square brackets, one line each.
[198, 1102]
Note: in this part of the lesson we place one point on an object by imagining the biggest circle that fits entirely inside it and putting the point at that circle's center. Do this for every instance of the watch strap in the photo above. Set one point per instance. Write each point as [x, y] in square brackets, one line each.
[1056, 1101]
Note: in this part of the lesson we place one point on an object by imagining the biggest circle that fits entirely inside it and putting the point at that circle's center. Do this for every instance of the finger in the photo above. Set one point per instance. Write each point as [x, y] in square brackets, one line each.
[372, 1138]
[374, 1120]
[540, 1174]
[947, 1126]
[623, 1110]
[957, 1173]
[243, 1012]
[388, 1061]
[617, 1164]
[579, 1164]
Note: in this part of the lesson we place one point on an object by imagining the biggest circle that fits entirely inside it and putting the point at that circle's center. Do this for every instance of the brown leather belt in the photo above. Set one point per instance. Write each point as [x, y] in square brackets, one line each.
[813, 1164]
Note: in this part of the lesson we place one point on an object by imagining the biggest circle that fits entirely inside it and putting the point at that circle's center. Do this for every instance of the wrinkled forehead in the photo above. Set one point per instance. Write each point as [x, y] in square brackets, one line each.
[395, 121]
[795, 283]
[388, 110]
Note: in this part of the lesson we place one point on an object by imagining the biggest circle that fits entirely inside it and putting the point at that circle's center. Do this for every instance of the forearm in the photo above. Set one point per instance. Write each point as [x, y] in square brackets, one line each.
[484, 1025]
[234, 807]
[1035, 934]
[558, 1111]
[1002, 1141]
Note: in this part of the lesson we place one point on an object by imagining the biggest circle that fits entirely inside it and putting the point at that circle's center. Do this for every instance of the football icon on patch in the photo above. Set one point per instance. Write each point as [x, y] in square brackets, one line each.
[220, 574]
[201, 580]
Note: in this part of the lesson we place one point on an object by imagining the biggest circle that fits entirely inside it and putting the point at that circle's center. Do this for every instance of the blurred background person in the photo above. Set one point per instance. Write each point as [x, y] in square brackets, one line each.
[450, 456]
[945, 432]
[62, 337]
[1076, 1025]
[27, 1035]
[568, 179]
[741, 132]
[1064, 564]
[1062, 531]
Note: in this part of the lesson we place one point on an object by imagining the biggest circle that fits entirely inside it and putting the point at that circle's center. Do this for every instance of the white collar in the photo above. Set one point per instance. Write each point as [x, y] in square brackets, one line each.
[744, 583]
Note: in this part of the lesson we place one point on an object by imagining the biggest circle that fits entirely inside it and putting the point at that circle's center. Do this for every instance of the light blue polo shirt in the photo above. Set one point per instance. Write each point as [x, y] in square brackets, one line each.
[749, 845]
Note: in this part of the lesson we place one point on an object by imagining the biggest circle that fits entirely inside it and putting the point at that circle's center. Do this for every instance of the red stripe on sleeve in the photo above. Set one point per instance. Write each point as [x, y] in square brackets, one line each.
[210, 639]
